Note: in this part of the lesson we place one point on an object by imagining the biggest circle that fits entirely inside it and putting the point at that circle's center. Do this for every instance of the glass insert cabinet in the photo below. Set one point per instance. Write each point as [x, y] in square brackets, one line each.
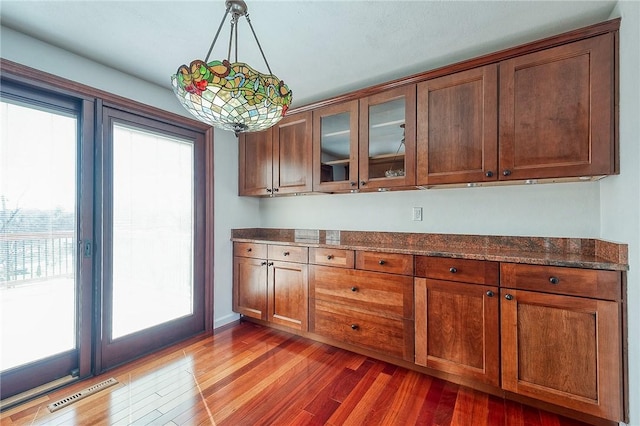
[366, 144]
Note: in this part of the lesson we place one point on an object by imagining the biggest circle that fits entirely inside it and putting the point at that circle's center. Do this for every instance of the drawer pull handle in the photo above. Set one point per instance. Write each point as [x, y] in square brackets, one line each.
[249, 249]
[354, 289]
[381, 262]
[354, 326]
[554, 280]
[453, 270]
[263, 263]
[489, 293]
[329, 257]
[508, 297]
[286, 253]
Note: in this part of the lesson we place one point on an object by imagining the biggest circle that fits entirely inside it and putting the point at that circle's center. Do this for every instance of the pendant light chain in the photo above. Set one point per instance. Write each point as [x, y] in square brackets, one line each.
[246, 15]
[206, 60]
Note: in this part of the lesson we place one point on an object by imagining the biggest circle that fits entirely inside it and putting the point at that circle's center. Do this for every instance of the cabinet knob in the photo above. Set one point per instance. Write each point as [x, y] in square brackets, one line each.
[352, 183]
[554, 280]
[489, 293]
[354, 326]
[329, 257]
[508, 297]
[263, 263]
[453, 270]
[268, 189]
[249, 249]
[270, 264]
[286, 253]
[506, 172]
[362, 183]
[489, 173]
[381, 262]
[276, 189]
[354, 288]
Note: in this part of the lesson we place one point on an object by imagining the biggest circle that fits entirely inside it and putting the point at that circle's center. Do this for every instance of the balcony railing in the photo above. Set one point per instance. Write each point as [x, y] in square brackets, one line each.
[36, 256]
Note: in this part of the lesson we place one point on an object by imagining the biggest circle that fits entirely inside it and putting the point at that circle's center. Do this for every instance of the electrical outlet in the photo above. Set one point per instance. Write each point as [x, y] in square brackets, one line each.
[417, 213]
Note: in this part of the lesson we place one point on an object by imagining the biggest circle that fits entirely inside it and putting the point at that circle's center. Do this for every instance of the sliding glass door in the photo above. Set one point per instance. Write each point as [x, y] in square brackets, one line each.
[44, 224]
[102, 231]
[153, 240]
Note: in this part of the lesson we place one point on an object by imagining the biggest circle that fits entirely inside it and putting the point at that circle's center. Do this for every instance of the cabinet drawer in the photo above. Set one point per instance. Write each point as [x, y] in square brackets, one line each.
[591, 283]
[255, 250]
[385, 262]
[384, 294]
[288, 253]
[386, 335]
[332, 257]
[460, 270]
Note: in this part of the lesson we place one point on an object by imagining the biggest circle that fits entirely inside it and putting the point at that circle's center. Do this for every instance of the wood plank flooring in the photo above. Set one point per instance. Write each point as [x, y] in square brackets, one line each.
[253, 375]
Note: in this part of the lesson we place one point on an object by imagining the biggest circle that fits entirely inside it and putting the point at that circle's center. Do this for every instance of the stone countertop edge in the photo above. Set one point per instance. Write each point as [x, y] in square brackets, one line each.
[564, 252]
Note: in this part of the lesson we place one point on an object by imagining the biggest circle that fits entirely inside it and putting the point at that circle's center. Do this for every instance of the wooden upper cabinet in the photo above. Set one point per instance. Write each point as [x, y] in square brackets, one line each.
[277, 160]
[255, 174]
[557, 111]
[387, 139]
[457, 127]
[335, 147]
[292, 154]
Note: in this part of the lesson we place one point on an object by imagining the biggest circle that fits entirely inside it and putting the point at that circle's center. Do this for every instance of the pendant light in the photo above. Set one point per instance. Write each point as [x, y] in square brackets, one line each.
[232, 96]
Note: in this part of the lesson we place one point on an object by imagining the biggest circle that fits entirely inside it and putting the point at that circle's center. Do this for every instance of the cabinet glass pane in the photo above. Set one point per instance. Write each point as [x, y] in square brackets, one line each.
[386, 139]
[335, 145]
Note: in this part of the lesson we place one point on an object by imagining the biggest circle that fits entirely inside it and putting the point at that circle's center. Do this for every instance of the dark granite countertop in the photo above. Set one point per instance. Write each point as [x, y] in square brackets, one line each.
[553, 251]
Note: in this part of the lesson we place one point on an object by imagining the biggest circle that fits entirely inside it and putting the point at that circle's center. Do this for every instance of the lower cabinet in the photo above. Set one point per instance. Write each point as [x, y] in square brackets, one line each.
[553, 334]
[457, 317]
[269, 289]
[564, 350]
[373, 310]
[250, 287]
[457, 329]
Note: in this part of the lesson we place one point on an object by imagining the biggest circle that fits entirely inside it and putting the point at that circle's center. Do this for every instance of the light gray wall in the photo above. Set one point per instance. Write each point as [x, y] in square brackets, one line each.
[568, 209]
[620, 195]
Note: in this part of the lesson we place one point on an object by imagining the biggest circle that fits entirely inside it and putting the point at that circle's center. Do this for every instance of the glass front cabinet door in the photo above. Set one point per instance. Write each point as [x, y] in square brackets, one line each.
[388, 139]
[335, 148]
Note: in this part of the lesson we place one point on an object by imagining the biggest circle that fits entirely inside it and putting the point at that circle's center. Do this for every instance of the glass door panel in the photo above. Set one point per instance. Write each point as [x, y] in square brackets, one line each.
[152, 230]
[386, 139]
[335, 148]
[38, 243]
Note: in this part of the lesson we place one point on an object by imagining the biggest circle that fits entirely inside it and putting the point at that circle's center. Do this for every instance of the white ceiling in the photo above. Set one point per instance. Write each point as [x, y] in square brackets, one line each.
[319, 48]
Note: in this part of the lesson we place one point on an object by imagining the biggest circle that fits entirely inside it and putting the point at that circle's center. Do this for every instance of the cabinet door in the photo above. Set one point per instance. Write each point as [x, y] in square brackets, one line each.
[250, 287]
[556, 111]
[457, 329]
[255, 163]
[457, 128]
[292, 154]
[387, 139]
[288, 294]
[335, 148]
[564, 350]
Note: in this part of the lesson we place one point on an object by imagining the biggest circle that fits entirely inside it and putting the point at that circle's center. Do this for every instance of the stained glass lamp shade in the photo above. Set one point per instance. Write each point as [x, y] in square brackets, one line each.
[232, 96]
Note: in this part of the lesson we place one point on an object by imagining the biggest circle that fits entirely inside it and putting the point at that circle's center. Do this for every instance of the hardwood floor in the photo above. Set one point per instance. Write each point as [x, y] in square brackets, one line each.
[253, 375]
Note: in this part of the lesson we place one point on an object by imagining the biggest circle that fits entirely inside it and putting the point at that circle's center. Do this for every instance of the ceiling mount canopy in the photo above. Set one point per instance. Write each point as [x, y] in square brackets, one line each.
[232, 96]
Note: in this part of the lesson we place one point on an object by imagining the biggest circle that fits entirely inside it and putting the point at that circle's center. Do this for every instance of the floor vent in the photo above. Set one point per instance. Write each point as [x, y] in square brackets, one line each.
[82, 394]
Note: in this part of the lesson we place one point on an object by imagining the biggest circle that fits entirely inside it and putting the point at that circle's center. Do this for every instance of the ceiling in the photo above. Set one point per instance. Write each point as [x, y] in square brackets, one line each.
[319, 48]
